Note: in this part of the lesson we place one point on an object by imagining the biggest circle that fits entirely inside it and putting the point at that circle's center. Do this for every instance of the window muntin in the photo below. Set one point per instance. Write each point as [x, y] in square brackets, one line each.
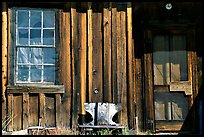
[35, 46]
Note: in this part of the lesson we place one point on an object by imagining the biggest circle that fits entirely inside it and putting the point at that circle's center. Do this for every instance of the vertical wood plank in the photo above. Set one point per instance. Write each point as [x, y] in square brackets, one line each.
[107, 52]
[130, 63]
[75, 65]
[42, 110]
[114, 53]
[50, 110]
[25, 110]
[119, 57]
[66, 66]
[10, 116]
[123, 91]
[138, 79]
[17, 112]
[90, 51]
[83, 61]
[149, 111]
[97, 53]
[58, 110]
[33, 109]
[4, 49]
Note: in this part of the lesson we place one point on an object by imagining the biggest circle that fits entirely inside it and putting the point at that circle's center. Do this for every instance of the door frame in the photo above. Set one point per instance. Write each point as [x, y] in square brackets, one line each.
[149, 120]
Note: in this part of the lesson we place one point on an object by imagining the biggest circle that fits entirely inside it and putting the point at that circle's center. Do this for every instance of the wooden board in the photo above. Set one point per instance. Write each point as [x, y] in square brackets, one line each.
[66, 66]
[90, 53]
[75, 65]
[33, 109]
[107, 53]
[17, 112]
[50, 109]
[97, 93]
[25, 110]
[114, 53]
[123, 68]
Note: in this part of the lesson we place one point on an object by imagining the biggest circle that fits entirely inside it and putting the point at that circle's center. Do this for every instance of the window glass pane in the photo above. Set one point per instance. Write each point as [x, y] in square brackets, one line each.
[23, 18]
[179, 66]
[49, 72]
[36, 73]
[23, 72]
[35, 19]
[161, 60]
[23, 55]
[49, 55]
[36, 55]
[22, 37]
[48, 19]
[35, 37]
[48, 37]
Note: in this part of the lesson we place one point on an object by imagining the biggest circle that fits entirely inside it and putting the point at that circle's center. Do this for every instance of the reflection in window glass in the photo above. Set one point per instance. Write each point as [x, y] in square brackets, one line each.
[35, 19]
[23, 18]
[49, 72]
[36, 55]
[22, 37]
[35, 73]
[35, 37]
[23, 55]
[23, 72]
[49, 55]
[48, 37]
[48, 19]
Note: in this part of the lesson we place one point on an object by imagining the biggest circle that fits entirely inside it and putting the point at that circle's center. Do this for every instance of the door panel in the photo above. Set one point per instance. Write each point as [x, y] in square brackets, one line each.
[171, 85]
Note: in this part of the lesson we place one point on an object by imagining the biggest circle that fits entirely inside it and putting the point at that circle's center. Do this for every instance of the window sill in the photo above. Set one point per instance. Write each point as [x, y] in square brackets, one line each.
[35, 89]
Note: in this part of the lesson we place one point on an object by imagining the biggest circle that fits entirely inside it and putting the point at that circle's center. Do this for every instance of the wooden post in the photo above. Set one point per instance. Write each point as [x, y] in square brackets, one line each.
[83, 64]
[90, 50]
[4, 49]
[130, 63]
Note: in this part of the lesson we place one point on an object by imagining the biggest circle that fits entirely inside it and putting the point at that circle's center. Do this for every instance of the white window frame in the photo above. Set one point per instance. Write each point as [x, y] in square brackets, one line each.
[16, 46]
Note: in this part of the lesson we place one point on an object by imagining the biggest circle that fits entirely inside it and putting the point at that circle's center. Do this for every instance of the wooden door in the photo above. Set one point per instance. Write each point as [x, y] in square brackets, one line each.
[171, 78]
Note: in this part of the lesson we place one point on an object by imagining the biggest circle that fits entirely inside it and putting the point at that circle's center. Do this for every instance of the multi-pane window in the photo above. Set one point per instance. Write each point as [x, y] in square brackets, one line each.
[35, 46]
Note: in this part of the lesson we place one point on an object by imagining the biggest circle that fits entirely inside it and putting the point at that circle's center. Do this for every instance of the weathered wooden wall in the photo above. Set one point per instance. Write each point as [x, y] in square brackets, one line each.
[96, 61]
[101, 59]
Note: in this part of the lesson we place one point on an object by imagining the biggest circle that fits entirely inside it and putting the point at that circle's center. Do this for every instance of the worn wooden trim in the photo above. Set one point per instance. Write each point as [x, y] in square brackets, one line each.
[183, 86]
[35, 89]
[4, 49]
[161, 88]
[168, 126]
